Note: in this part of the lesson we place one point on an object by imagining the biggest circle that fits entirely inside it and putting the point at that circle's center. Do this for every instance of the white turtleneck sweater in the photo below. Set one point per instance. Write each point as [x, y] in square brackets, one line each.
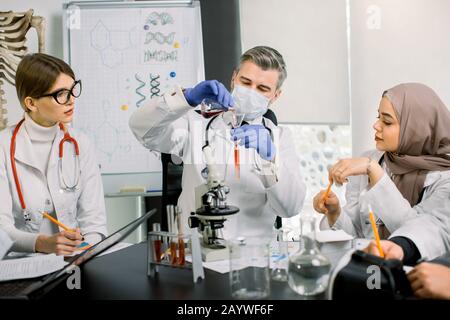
[42, 140]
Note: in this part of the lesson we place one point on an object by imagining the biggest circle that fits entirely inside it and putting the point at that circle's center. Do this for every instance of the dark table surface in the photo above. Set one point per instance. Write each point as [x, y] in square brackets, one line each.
[123, 275]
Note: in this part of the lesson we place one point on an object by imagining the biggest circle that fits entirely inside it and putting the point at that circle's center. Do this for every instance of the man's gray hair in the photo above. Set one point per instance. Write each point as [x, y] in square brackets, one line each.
[267, 58]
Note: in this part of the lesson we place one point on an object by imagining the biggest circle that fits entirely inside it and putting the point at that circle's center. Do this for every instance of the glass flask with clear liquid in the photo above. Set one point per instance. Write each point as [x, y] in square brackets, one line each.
[308, 268]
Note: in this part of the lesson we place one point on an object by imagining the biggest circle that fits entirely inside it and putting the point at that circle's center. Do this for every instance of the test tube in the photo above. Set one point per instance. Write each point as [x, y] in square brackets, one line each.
[237, 120]
[181, 252]
[171, 228]
[157, 242]
[237, 165]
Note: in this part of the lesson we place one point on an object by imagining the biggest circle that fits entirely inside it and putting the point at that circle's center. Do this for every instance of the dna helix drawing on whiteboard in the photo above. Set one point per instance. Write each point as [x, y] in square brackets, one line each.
[149, 53]
[159, 37]
[154, 85]
[155, 34]
[139, 90]
[155, 17]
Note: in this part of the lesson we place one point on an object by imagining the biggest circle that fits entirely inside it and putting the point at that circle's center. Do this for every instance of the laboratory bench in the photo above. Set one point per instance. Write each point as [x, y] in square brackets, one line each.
[123, 275]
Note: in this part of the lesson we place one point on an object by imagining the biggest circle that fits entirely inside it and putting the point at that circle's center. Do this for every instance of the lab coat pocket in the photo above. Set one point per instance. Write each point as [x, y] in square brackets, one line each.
[34, 225]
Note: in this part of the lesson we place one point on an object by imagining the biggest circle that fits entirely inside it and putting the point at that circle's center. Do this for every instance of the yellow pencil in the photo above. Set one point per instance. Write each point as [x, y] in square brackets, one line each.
[325, 195]
[49, 217]
[375, 231]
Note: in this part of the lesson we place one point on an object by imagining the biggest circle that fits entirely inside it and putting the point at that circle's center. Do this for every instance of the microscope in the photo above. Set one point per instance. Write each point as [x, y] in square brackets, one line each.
[211, 211]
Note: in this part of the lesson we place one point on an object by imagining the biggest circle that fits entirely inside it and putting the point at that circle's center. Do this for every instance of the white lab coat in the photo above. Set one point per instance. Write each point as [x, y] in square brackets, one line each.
[168, 124]
[83, 208]
[427, 224]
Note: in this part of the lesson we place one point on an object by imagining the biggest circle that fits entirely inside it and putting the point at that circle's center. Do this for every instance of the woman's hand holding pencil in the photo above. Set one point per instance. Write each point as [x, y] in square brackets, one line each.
[375, 232]
[390, 249]
[384, 249]
[62, 243]
[326, 202]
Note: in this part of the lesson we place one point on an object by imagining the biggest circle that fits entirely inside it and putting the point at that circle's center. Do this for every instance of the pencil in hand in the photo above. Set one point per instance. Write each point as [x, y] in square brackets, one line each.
[375, 231]
[327, 192]
[49, 217]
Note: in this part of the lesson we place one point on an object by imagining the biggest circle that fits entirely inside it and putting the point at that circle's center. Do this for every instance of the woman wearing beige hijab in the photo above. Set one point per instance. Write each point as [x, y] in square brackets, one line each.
[406, 181]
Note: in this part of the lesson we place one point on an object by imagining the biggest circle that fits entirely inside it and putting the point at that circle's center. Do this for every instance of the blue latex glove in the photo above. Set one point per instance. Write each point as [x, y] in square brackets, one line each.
[211, 89]
[255, 136]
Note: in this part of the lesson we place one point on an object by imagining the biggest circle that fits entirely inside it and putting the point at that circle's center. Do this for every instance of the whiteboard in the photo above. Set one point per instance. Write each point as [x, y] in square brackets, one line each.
[127, 53]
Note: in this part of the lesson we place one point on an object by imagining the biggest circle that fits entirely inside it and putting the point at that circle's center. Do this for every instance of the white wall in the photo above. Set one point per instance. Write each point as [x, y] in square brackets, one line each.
[312, 37]
[394, 41]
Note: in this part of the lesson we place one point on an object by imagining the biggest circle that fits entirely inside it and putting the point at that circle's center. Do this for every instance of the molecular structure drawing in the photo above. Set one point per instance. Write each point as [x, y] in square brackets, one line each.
[139, 90]
[159, 37]
[111, 43]
[107, 135]
[154, 85]
[163, 18]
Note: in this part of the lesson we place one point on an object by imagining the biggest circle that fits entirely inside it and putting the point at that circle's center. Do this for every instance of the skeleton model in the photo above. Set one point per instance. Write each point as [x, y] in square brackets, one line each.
[13, 28]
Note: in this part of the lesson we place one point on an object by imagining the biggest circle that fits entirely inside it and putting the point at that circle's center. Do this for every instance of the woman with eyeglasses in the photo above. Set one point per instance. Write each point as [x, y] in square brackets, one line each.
[51, 193]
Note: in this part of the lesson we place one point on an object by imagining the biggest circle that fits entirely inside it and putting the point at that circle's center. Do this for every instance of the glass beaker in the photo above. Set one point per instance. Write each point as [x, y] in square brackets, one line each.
[308, 269]
[210, 108]
[249, 267]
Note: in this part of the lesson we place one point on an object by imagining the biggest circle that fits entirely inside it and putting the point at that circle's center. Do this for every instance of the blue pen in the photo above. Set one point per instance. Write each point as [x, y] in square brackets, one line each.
[82, 245]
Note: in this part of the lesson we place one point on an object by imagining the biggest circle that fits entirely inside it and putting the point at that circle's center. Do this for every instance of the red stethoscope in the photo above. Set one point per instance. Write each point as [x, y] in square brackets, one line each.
[64, 186]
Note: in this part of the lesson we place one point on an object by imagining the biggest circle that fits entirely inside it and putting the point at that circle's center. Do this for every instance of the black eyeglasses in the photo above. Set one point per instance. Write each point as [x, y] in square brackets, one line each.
[62, 96]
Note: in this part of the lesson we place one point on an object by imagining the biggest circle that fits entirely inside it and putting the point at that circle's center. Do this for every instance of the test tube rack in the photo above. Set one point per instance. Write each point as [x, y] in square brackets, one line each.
[167, 249]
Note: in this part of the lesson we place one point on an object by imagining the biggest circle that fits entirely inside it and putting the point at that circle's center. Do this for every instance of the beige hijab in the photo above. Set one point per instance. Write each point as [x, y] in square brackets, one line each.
[424, 142]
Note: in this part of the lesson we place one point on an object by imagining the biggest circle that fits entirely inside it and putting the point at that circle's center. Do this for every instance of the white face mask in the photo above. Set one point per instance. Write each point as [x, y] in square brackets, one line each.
[249, 103]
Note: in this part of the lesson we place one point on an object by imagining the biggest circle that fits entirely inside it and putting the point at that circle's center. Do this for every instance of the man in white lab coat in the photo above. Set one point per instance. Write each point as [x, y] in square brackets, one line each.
[270, 183]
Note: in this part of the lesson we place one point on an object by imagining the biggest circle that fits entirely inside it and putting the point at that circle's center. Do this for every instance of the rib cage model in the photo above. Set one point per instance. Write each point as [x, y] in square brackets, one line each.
[13, 29]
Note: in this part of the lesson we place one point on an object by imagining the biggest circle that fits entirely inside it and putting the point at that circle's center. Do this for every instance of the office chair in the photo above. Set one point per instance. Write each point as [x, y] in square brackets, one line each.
[272, 117]
[171, 180]
[171, 184]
